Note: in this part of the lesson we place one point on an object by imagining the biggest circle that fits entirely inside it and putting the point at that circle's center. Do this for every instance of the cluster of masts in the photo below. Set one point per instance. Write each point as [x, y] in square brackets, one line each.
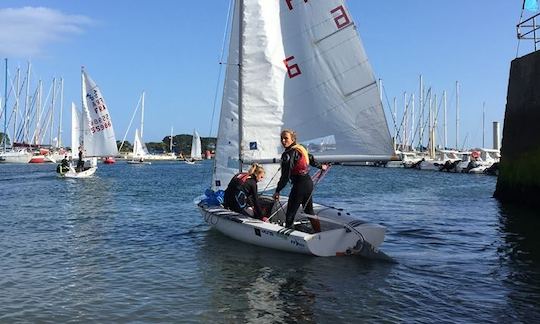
[29, 121]
[32, 134]
[415, 134]
[418, 128]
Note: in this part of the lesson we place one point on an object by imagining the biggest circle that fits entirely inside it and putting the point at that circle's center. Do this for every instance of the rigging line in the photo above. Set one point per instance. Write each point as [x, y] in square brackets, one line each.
[389, 106]
[269, 182]
[220, 69]
[130, 122]
[228, 22]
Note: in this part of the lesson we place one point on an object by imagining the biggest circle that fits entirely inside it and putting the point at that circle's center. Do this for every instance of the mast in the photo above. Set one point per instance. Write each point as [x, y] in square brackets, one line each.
[51, 118]
[240, 81]
[483, 124]
[445, 132]
[16, 110]
[38, 122]
[59, 142]
[142, 114]
[396, 144]
[26, 105]
[412, 121]
[4, 139]
[171, 140]
[405, 120]
[421, 102]
[81, 123]
[457, 115]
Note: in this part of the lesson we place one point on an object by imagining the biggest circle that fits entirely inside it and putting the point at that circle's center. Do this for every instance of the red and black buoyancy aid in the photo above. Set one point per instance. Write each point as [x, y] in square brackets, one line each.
[240, 196]
[241, 178]
[301, 163]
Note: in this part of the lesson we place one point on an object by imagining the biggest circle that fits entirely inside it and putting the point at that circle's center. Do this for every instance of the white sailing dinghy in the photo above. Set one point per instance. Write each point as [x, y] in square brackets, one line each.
[305, 70]
[196, 149]
[140, 152]
[92, 129]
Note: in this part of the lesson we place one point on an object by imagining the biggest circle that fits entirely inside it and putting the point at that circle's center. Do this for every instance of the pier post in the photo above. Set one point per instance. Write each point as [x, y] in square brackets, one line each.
[519, 169]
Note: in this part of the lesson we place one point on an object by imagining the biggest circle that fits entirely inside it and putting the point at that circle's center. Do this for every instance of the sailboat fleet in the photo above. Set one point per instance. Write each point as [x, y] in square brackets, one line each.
[317, 81]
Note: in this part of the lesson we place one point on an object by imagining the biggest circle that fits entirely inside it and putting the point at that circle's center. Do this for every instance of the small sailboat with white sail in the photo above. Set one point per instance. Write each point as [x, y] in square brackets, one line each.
[140, 152]
[91, 130]
[196, 149]
[306, 70]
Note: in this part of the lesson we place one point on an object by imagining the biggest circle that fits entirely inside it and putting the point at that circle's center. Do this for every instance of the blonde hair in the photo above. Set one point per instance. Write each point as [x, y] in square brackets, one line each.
[255, 169]
[290, 132]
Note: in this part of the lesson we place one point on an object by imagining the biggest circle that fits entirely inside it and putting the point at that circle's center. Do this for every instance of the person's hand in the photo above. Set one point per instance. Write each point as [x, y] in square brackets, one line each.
[276, 196]
[324, 167]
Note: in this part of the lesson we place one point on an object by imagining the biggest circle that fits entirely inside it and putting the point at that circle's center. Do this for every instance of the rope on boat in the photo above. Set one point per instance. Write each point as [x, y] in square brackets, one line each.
[316, 178]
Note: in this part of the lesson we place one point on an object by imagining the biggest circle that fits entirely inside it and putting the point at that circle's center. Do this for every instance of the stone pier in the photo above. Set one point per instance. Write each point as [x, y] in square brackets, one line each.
[519, 170]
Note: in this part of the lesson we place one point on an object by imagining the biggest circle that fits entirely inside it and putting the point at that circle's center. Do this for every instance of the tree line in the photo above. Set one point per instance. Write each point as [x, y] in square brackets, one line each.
[181, 144]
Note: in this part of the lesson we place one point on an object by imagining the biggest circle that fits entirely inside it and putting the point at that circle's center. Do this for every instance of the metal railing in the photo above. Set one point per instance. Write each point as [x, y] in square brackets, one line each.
[527, 29]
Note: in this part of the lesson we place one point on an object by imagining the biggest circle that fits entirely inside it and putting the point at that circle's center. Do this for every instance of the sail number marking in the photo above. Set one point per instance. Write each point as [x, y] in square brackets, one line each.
[340, 18]
[101, 123]
[292, 70]
[289, 4]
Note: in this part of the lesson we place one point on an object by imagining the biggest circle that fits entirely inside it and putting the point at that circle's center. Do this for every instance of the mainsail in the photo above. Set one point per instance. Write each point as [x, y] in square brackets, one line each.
[98, 133]
[75, 131]
[139, 148]
[300, 65]
[196, 147]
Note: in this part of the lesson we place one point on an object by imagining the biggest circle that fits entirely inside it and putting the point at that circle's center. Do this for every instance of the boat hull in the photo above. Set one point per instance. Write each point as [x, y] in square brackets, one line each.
[139, 162]
[77, 175]
[334, 240]
[15, 157]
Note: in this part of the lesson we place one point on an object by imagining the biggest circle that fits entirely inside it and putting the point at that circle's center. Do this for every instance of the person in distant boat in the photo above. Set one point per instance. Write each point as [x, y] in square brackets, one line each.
[64, 165]
[141, 160]
[295, 162]
[80, 163]
[241, 193]
[473, 163]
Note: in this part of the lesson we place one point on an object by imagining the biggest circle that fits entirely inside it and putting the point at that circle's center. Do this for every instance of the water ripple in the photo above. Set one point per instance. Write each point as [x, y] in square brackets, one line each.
[128, 245]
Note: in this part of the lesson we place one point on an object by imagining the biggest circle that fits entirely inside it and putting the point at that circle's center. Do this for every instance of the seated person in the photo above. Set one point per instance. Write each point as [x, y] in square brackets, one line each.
[241, 193]
[64, 165]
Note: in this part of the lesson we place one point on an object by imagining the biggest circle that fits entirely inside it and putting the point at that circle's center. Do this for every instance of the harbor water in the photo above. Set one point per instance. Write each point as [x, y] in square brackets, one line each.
[128, 245]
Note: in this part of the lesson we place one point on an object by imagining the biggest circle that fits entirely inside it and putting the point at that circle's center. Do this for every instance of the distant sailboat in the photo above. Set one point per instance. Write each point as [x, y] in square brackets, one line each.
[306, 70]
[196, 149]
[92, 129]
[140, 152]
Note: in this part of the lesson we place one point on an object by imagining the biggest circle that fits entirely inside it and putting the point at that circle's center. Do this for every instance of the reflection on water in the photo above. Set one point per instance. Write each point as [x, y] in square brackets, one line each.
[129, 246]
[249, 284]
[256, 285]
[520, 254]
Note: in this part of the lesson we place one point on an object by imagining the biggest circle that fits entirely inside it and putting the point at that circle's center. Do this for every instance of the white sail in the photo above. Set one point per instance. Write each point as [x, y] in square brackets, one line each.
[317, 81]
[139, 148]
[305, 69]
[99, 139]
[75, 131]
[226, 163]
[196, 147]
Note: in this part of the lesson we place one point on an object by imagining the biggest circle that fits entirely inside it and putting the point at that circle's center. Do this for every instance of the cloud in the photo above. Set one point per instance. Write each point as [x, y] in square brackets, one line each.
[25, 32]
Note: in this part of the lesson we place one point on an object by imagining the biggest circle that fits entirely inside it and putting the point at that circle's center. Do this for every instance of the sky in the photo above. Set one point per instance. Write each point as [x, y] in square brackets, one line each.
[171, 49]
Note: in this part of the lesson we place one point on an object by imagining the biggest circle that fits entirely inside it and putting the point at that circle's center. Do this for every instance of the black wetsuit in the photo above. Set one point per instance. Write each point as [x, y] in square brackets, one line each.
[65, 164]
[302, 186]
[240, 195]
[80, 163]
